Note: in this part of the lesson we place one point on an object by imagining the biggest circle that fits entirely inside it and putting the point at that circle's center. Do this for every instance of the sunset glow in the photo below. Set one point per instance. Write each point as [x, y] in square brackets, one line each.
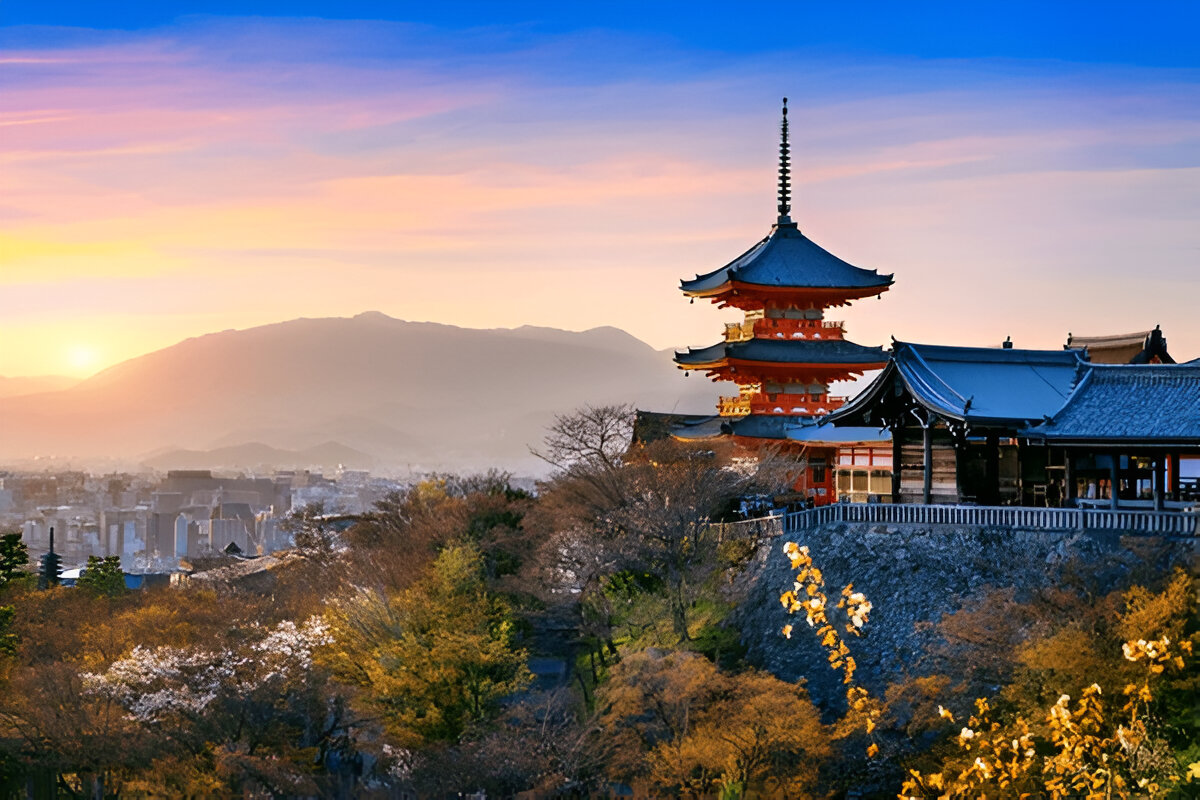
[164, 178]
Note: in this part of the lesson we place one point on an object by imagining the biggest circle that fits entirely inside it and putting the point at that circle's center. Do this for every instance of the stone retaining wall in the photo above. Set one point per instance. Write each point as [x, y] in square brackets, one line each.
[913, 575]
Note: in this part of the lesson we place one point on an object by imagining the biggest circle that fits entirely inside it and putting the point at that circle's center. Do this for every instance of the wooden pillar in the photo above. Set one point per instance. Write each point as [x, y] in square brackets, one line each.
[1175, 476]
[1160, 480]
[1069, 490]
[1114, 479]
[897, 459]
[927, 461]
[991, 470]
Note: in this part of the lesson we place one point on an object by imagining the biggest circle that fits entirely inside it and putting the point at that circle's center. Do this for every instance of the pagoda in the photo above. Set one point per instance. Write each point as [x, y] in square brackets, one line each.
[785, 353]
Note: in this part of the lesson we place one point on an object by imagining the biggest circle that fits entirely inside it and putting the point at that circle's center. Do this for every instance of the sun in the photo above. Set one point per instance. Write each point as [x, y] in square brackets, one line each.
[82, 359]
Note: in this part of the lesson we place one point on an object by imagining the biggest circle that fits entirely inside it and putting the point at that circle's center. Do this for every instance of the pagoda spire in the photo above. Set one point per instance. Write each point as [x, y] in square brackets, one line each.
[785, 180]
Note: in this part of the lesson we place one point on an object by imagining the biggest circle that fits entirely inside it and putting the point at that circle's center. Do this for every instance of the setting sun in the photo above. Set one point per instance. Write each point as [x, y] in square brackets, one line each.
[82, 359]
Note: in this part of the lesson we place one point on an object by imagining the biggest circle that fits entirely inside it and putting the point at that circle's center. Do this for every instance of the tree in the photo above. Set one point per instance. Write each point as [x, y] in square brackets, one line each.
[311, 532]
[591, 438]
[8, 639]
[103, 576]
[654, 512]
[434, 658]
[680, 723]
[14, 557]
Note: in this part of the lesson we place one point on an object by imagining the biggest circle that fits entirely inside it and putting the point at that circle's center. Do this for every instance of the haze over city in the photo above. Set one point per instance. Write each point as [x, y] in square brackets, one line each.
[174, 169]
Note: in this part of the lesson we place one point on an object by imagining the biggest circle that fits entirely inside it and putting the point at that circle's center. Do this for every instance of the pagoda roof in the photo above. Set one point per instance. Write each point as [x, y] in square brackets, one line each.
[787, 259]
[1147, 404]
[783, 351]
[978, 385]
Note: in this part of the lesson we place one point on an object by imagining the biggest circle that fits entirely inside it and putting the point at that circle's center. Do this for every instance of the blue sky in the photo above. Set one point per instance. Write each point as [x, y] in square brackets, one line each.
[1148, 33]
[170, 169]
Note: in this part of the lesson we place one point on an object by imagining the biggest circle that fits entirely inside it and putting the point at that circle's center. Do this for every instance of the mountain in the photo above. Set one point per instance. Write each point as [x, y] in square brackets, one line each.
[257, 456]
[391, 393]
[11, 387]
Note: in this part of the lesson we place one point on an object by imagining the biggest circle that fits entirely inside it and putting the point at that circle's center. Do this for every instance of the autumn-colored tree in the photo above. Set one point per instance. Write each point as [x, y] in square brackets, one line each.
[675, 721]
[186, 692]
[432, 659]
[1109, 743]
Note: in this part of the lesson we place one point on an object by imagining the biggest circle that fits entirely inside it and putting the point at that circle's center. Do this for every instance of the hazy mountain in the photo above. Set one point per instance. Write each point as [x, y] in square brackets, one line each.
[11, 387]
[256, 455]
[390, 392]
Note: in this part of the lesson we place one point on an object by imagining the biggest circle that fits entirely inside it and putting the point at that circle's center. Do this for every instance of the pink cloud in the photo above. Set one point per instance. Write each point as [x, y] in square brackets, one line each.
[280, 170]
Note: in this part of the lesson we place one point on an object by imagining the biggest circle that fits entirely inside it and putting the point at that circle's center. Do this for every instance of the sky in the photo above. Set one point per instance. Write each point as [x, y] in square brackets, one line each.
[171, 169]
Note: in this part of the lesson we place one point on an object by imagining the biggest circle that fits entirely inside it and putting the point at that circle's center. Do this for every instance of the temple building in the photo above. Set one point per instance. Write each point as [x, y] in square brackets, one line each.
[1001, 426]
[785, 353]
[1144, 347]
[1107, 420]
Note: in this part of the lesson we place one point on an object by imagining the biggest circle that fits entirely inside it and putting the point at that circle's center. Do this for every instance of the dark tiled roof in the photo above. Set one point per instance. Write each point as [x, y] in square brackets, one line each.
[1123, 403]
[788, 258]
[762, 426]
[974, 384]
[784, 351]
[821, 432]
[651, 426]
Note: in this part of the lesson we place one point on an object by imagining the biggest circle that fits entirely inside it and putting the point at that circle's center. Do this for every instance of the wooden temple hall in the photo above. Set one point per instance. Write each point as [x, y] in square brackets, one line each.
[1002, 426]
[1105, 421]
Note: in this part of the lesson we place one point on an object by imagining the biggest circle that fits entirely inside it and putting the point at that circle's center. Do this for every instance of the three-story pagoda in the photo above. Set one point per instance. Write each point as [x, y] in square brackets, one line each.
[785, 353]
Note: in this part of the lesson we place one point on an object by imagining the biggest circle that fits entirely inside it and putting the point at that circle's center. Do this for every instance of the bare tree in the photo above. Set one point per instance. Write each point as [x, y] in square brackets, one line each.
[649, 507]
[593, 437]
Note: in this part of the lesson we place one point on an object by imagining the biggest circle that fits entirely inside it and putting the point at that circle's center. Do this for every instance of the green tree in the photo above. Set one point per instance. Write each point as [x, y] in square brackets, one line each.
[103, 576]
[434, 658]
[14, 557]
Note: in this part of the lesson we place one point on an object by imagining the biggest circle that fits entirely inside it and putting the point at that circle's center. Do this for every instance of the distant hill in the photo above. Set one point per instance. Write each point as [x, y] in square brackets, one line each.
[371, 389]
[256, 455]
[11, 387]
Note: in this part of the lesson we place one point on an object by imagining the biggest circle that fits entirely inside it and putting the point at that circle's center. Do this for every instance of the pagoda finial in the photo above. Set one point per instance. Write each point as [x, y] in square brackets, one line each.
[785, 180]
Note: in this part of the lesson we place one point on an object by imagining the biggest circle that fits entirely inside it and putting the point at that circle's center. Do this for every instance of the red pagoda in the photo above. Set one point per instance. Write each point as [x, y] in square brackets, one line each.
[785, 353]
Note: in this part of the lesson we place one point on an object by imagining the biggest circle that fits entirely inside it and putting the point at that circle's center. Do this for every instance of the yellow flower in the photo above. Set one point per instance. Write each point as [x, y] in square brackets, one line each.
[787, 631]
[872, 750]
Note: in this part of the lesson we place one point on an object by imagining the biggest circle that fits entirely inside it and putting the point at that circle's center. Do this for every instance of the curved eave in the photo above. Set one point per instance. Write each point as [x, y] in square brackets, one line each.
[830, 293]
[814, 366]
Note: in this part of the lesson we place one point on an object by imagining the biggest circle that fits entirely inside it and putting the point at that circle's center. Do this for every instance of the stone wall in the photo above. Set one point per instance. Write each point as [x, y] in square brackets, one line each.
[915, 574]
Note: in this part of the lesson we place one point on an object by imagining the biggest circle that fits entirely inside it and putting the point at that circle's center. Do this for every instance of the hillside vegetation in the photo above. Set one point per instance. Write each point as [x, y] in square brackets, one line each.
[466, 636]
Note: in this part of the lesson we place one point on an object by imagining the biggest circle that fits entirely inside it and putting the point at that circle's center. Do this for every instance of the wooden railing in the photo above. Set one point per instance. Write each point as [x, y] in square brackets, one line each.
[783, 328]
[733, 406]
[1156, 523]
[739, 331]
[761, 403]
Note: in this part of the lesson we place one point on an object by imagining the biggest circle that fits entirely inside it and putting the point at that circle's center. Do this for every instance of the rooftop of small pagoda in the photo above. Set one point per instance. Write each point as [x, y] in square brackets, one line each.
[786, 264]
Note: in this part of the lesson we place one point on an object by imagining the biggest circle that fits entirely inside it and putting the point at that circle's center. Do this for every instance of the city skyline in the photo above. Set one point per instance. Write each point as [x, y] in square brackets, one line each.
[171, 173]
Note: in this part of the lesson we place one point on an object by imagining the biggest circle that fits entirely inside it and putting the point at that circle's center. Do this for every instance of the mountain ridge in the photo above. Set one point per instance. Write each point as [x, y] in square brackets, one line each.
[418, 394]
